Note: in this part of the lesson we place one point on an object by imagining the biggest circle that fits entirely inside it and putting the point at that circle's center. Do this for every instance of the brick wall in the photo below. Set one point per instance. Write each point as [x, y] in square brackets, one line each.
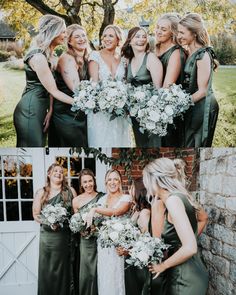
[218, 196]
[190, 155]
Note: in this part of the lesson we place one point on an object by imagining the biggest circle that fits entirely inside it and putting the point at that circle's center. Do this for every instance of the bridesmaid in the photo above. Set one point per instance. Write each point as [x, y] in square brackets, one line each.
[200, 120]
[88, 247]
[183, 270]
[30, 113]
[54, 247]
[72, 68]
[172, 57]
[143, 68]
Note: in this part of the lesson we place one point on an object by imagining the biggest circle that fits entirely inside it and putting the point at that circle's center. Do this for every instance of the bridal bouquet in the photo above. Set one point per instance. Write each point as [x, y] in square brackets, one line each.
[118, 232]
[146, 250]
[112, 98]
[53, 215]
[78, 222]
[155, 108]
[85, 97]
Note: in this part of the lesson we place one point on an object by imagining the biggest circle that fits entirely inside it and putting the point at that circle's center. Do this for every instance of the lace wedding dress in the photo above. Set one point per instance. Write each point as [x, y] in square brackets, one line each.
[101, 131]
[110, 266]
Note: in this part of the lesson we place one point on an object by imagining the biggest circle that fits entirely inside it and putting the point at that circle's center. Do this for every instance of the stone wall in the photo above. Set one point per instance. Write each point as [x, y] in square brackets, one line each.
[218, 196]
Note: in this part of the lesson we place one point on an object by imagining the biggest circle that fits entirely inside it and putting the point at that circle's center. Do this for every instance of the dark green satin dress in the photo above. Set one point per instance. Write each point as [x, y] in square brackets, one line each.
[31, 110]
[142, 77]
[190, 277]
[54, 275]
[200, 120]
[175, 135]
[67, 129]
[88, 260]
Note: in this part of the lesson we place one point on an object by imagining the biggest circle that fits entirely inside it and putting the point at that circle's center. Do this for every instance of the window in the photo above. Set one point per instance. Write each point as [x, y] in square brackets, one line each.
[16, 188]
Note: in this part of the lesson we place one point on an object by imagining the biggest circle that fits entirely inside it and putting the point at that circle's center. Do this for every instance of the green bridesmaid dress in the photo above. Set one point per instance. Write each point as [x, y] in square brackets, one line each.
[88, 260]
[54, 275]
[142, 77]
[200, 120]
[67, 129]
[190, 277]
[31, 110]
[175, 132]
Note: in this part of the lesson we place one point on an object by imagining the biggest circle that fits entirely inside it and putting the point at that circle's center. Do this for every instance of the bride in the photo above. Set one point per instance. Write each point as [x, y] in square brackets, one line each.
[110, 266]
[105, 64]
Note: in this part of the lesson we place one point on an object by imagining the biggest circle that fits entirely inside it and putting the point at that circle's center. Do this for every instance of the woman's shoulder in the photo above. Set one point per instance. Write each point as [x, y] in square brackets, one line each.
[94, 56]
[32, 52]
[126, 198]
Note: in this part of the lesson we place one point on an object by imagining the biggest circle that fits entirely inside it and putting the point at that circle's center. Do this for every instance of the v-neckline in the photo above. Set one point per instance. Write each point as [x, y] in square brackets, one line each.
[102, 59]
[138, 68]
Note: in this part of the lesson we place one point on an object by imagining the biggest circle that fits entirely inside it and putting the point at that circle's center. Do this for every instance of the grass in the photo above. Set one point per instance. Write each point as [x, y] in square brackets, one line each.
[12, 83]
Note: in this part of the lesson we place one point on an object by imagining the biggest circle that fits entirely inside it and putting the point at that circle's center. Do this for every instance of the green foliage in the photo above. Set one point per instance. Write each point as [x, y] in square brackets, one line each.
[4, 55]
[225, 48]
[59, 50]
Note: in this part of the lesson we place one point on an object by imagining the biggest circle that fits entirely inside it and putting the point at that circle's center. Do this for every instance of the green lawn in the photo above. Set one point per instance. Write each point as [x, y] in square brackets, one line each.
[12, 83]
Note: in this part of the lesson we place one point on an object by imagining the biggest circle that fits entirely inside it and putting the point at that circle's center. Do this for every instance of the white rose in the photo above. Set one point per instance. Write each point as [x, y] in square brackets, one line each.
[154, 116]
[114, 236]
[128, 226]
[90, 104]
[143, 256]
[51, 219]
[84, 216]
[118, 227]
[82, 93]
[169, 110]
[140, 95]
[150, 125]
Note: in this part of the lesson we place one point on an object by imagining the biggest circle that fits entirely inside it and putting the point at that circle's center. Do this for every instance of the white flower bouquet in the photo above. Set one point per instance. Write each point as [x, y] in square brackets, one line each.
[118, 232]
[85, 97]
[53, 215]
[156, 108]
[112, 98]
[146, 250]
[78, 222]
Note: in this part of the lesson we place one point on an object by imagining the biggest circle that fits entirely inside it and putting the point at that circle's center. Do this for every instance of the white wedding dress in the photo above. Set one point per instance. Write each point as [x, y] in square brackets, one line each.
[101, 131]
[110, 267]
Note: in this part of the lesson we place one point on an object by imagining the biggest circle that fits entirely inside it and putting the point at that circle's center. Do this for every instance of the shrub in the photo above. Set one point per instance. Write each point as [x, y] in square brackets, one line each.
[225, 48]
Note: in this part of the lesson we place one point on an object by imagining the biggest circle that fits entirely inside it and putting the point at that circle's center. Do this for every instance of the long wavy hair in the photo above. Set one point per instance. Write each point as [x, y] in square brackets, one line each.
[47, 187]
[118, 175]
[84, 172]
[174, 19]
[50, 27]
[162, 173]
[126, 49]
[70, 30]
[140, 194]
[195, 24]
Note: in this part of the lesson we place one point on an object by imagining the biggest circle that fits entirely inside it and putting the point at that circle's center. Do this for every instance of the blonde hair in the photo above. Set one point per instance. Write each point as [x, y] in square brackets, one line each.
[70, 30]
[180, 166]
[119, 176]
[50, 27]
[162, 173]
[174, 19]
[195, 24]
[117, 31]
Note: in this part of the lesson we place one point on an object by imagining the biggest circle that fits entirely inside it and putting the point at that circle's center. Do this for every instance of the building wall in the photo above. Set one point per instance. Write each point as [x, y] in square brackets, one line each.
[190, 155]
[218, 196]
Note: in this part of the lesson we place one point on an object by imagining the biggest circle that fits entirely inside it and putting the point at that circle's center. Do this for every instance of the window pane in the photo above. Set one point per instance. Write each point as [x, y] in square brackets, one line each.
[75, 166]
[26, 210]
[1, 211]
[10, 166]
[25, 164]
[62, 161]
[90, 163]
[75, 184]
[11, 189]
[12, 211]
[26, 188]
